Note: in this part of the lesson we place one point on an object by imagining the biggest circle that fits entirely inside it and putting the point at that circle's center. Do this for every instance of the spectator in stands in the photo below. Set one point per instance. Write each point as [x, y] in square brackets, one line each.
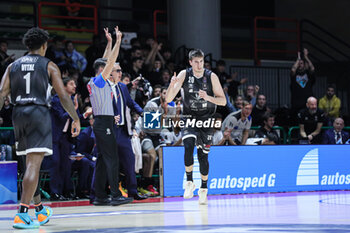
[132, 85]
[283, 117]
[5, 59]
[269, 135]
[238, 103]
[177, 134]
[330, 104]
[239, 123]
[94, 51]
[6, 113]
[6, 136]
[156, 91]
[167, 137]
[310, 122]
[218, 135]
[232, 89]
[154, 75]
[165, 77]
[167, 55]
[86, 103]
[250, 93]
[228, 81]
[126, 79]
[225, 80]
[136, 69]
[86, 145]
[73, 59]
[220, 71]
[169, 60]
[152, 141]
[336, 135]
[302, 80]
[174, 136]
[153, 55]
[55, 52]
[132, 53]
[136, 144]
[142, 90]
[227, 138]
[6, 142]
[259, 110]
[81, 165]
[207, 65]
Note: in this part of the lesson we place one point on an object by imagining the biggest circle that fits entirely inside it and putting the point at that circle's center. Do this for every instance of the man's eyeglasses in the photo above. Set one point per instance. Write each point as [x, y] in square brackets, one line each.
[118, 70]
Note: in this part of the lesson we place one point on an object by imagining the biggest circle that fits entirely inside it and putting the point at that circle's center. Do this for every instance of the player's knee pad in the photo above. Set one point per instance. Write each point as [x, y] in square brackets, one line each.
[189, 144]
[203, 161]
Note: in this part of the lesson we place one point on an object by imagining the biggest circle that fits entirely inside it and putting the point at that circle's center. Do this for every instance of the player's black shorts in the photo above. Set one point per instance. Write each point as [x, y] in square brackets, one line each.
[203, 137]
[32, 126]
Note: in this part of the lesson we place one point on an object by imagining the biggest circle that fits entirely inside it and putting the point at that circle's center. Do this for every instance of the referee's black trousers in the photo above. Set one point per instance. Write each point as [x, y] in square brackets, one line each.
[107, 164]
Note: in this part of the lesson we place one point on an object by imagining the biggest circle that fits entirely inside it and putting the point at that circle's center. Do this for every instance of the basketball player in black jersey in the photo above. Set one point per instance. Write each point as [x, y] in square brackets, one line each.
[201, 92]
[27, 80]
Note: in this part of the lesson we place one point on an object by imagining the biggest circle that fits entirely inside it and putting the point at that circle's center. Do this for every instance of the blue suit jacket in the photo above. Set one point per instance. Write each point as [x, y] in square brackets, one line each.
[329, 137]
[86, 142]
[127, 101]
[59, 117]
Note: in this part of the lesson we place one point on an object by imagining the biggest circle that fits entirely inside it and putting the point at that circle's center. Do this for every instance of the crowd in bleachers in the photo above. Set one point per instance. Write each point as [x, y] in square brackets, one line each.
[147, 69]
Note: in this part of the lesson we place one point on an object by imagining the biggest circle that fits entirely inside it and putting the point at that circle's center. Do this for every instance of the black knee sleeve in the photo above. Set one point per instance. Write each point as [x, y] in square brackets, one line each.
[203, 162]
[189, 144]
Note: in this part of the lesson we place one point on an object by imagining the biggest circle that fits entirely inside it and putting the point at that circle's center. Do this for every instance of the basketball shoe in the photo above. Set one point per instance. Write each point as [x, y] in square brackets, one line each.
[189, 188]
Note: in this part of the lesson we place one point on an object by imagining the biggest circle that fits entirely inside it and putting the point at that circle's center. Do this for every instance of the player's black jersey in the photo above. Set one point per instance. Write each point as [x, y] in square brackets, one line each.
[29, 81]
[192, 103]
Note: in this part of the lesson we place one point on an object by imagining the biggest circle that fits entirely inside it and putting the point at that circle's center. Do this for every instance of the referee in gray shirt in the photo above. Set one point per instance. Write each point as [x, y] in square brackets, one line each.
[101, 97]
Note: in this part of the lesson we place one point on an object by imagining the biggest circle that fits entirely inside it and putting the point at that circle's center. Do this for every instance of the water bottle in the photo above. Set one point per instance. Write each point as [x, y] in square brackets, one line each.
[3, 153]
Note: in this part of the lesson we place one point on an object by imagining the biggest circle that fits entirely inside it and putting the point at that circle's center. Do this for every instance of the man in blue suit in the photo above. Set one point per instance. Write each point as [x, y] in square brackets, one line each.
[60, 164]
[336, 135]
[85, 165]
[122, 105]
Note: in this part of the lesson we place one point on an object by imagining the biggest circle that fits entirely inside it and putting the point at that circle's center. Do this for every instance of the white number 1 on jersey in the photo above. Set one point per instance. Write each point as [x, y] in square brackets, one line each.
[27, 78]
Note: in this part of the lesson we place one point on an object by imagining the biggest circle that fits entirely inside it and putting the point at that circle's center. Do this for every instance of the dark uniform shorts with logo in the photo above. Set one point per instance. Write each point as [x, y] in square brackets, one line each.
[32, 127]
[203, 137]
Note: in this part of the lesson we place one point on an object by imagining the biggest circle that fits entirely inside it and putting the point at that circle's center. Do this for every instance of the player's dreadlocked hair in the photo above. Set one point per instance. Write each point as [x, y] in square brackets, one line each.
[195, 53]
[35, 38]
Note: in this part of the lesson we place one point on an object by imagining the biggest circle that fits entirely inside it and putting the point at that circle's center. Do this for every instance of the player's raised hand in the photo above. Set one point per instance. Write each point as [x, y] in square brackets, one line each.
[108, 35]
[174, 79]
[118, 34]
